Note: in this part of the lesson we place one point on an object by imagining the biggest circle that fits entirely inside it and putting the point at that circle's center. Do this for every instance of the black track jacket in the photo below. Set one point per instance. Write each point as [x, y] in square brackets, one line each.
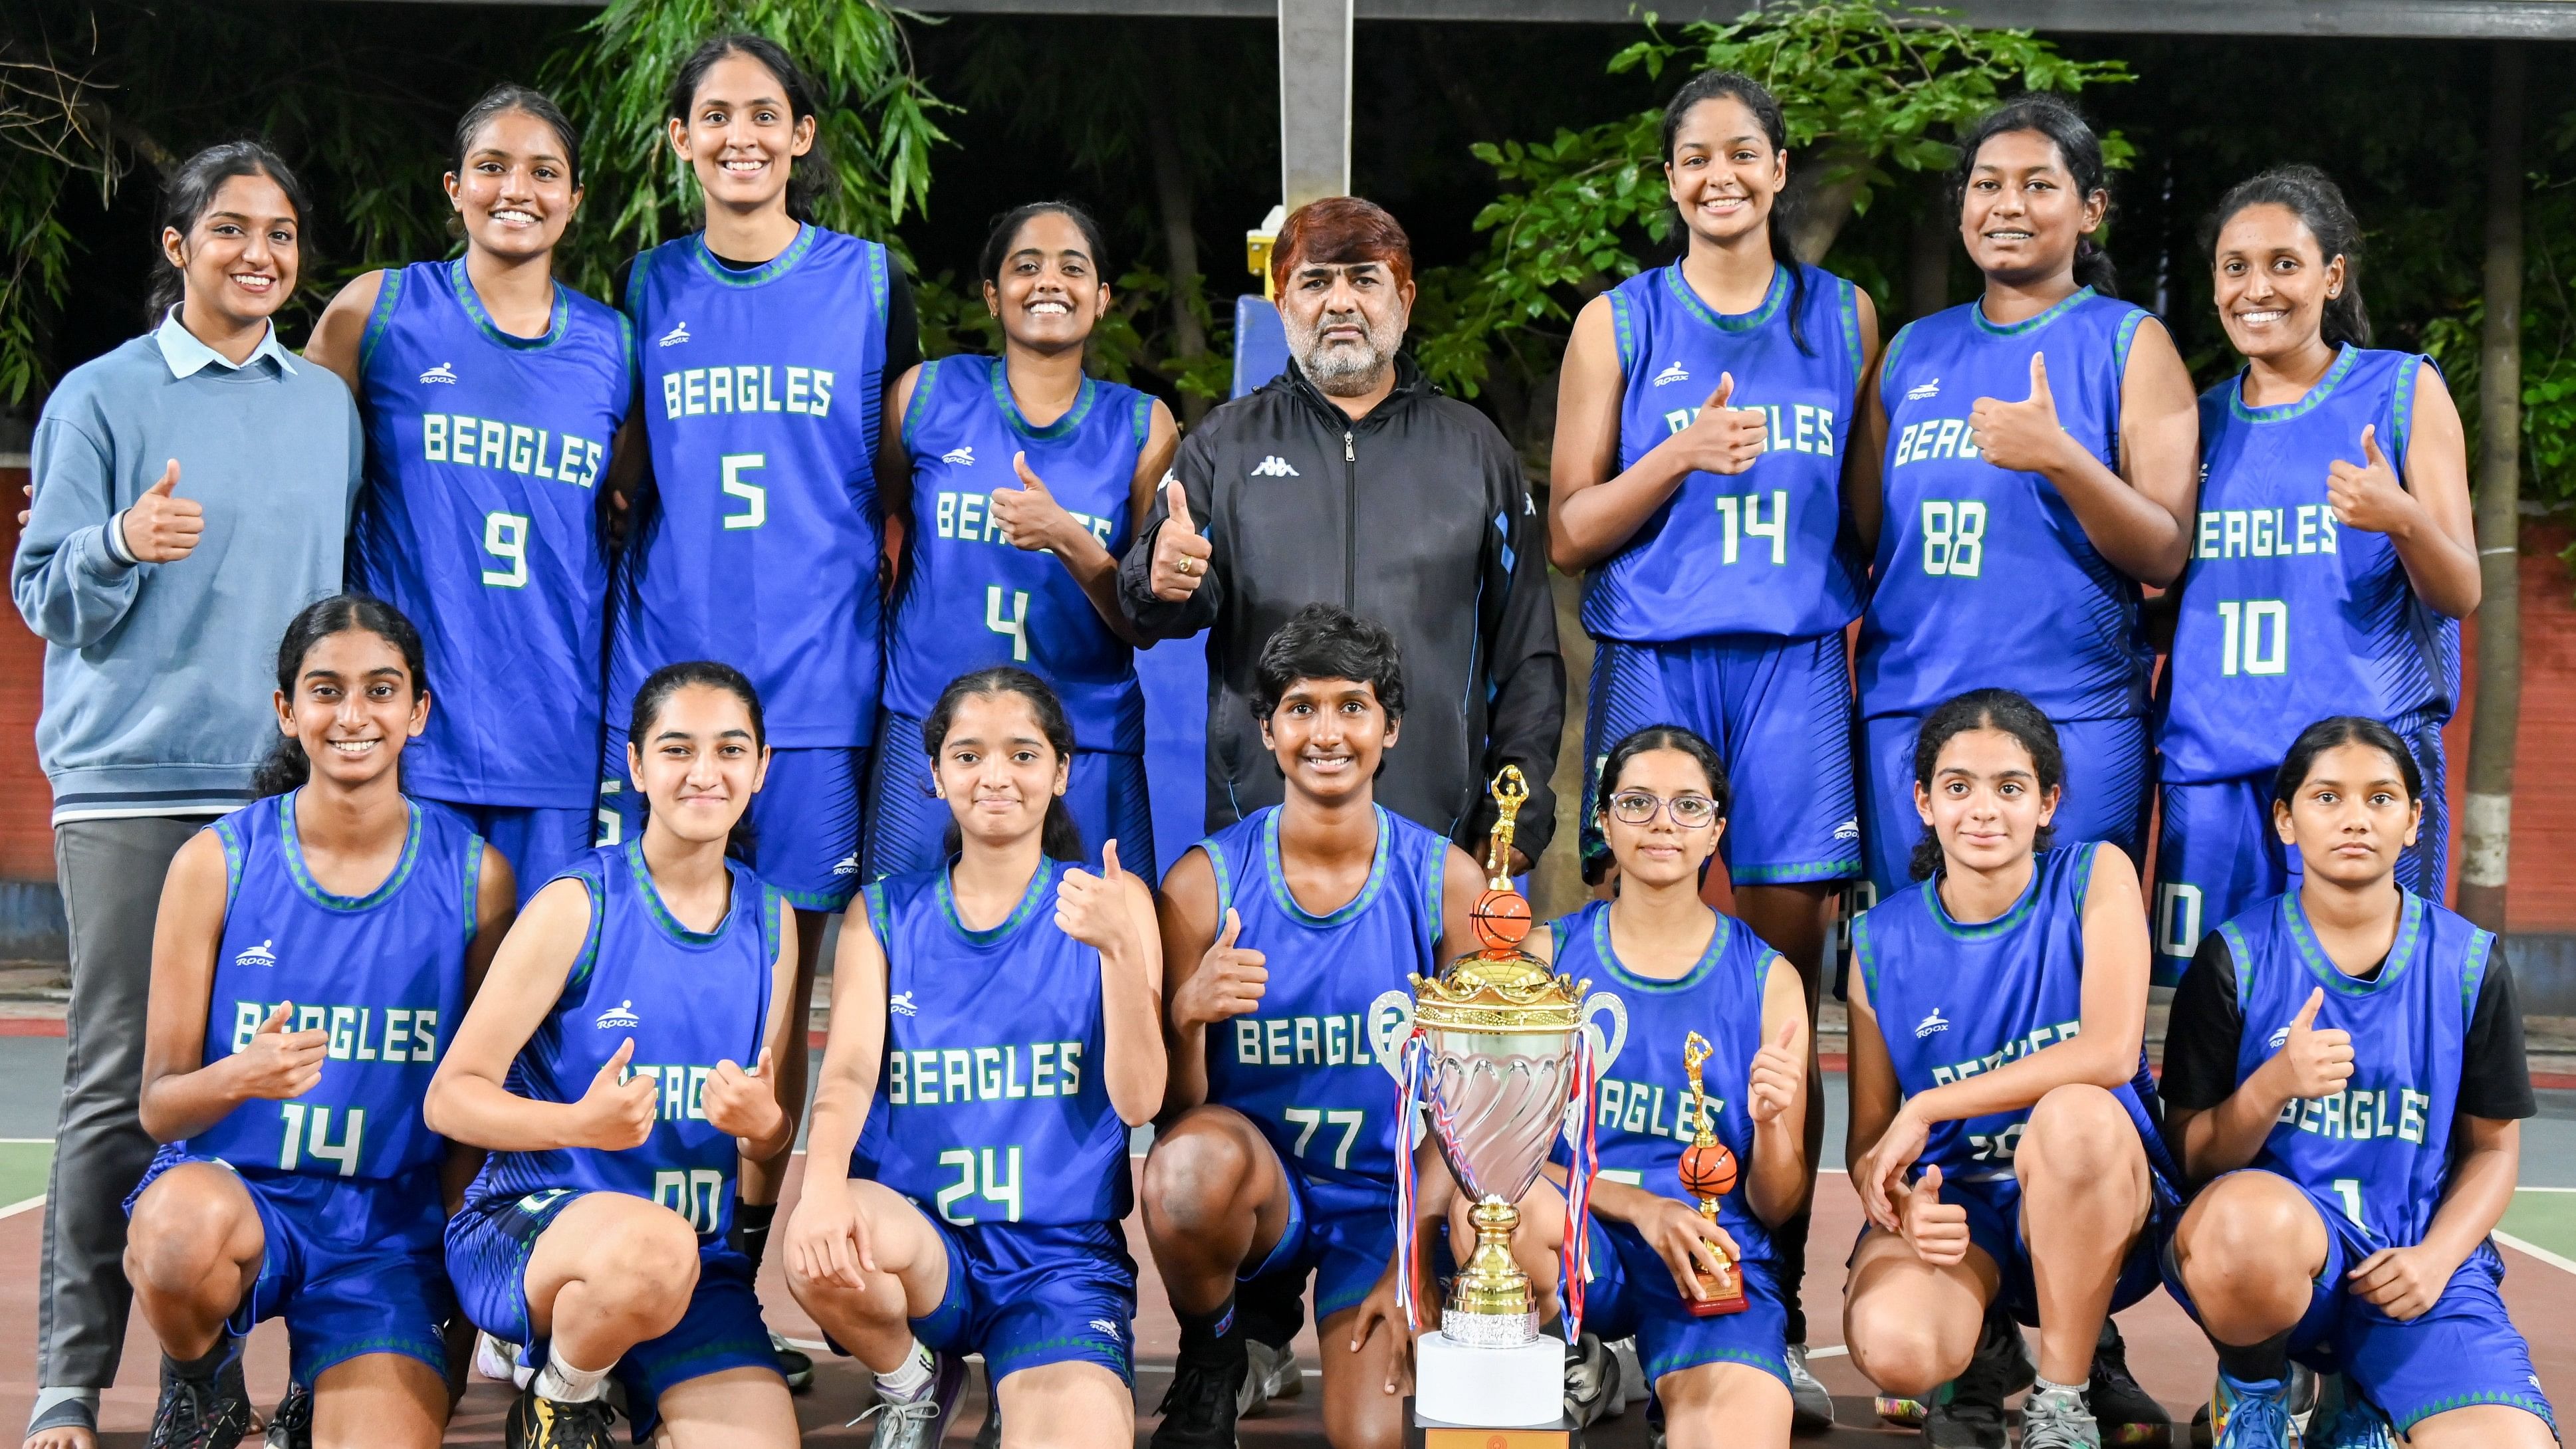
[1415, 516]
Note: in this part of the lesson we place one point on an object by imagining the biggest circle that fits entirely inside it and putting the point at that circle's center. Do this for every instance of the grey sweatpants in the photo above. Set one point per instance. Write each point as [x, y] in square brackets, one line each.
[111, 873]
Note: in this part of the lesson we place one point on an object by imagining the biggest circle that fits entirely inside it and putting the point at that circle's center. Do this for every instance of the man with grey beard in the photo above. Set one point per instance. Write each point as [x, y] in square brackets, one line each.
[1350, 479]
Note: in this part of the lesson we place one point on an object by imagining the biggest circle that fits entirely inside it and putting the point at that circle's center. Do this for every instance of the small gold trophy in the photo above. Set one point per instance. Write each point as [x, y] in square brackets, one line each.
[1708, 1173]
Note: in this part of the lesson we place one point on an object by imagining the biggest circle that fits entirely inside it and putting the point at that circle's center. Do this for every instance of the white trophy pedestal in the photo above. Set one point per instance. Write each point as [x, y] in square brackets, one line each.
[1502, 1388]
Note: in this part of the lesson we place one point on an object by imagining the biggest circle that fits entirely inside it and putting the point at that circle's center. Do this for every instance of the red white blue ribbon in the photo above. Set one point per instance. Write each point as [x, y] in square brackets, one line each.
[1574, 1254]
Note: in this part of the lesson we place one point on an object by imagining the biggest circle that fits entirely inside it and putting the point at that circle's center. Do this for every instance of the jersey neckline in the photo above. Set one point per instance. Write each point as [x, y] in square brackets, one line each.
[1349, 910]
[2401, 950]
[294, 851]
[661, 911]
[998, 376]
[557, 323]
[2029, 324]
[2243, 411]
[1699, 970]
[1698, 306]
[1031, 896]
[768, 271]
[1986, 930]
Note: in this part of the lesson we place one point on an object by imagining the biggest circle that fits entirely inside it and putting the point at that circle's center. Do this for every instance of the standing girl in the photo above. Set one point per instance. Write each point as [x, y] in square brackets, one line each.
[1026, 479]
[1723, 572]
[491, 394]
[314, 950]
[1998, 1012]
[996, 1032]
[2038, 451]
[2333, 560]
[602, 1068]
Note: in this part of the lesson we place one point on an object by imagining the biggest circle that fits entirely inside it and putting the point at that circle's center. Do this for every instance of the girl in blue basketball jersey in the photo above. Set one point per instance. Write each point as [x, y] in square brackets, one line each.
[996, 1032]
[2032, 463]
[314, 951]
[491, 394]
[2346, 1062]
[1723, 572]
[1998, 1010]
[2333, 559]
[602, 1069]
[1023, 479]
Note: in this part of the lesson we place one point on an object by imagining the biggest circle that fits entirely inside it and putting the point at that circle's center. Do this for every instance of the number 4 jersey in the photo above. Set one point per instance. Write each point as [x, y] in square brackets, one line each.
[481, 523]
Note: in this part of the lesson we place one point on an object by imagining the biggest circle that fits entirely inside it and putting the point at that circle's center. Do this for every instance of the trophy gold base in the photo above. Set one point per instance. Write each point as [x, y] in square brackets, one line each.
[1490, 1304]
[1719, 1296]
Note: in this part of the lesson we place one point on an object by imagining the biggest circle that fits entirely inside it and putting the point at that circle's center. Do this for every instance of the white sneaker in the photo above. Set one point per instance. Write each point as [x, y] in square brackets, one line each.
[1633, 1388]
[1269, 1373]
[499, 1361]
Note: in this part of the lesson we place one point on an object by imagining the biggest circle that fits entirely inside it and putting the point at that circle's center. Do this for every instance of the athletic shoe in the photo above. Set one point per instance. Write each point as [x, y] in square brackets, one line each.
[990, 1436]
[1968, 1412]
[793, 1363]
[1286, 1379]
[1633, 1388]
[1906, 1412]
[1811, 1407]
[542, 1423]
[2252, 1415]
[1261, 1377]
[291, 1427]
[201, 1413]
[1591, 1382]
[1198, 1410]
[2305, 1390]
[2357, 1423]
[2127, 1413]
[918, 1423]
[499, 1361]
[2058, 1420]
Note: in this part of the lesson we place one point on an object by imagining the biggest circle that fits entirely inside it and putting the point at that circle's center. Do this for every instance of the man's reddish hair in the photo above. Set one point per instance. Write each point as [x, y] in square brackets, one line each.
[1337, 231]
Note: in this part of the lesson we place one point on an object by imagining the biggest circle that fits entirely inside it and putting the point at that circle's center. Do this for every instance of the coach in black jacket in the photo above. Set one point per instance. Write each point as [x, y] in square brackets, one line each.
[1351, 479]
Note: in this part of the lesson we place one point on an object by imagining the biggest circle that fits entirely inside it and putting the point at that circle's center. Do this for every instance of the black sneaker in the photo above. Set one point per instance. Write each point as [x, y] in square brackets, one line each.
[990, 1436]
[291, 1427]
[1968, 1413]
[794, 1364]
[1198, 1412]
[1592, 1382]
[2128, 1414]
[542, 1423]
[212, 1413]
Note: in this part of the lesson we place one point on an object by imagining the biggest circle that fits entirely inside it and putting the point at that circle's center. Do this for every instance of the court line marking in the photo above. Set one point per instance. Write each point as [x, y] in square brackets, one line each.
[15, 1208]
[2563, 1264]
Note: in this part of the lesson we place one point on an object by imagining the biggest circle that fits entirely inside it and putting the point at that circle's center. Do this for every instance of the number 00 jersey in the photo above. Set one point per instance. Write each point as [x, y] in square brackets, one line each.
[993, 1105]
[2286, 616]
[970, 599]
[383, 974]
[688, 999]
[1983, 576]
[762, 390]
[1764, 551]
[1955, 1000]
[480, 522]
[1303, 1065]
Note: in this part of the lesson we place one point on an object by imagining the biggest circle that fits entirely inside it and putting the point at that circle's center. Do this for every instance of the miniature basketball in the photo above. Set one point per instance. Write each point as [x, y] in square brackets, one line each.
[1502, 919]
[1708, 1172]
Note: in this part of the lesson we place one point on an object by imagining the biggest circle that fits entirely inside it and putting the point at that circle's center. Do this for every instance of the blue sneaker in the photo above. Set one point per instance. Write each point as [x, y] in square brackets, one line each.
[2357, 1423]
[2252, 1415]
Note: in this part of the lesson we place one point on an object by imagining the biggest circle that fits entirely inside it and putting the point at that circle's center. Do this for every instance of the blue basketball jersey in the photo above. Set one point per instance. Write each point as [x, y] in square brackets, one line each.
[2286, 616]
[762, 390]
[1304, 1065]
[2382, 1145]
[1642, 1117]
[1984, 577]
[689, 999]
[971, 600]
[480, 521]
[991, 1106]
[1955, 1000]
[1764, 551]
[382, 973]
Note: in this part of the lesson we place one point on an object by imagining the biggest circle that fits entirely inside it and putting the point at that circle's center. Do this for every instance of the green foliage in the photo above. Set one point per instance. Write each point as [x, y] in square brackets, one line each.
[1866, 87]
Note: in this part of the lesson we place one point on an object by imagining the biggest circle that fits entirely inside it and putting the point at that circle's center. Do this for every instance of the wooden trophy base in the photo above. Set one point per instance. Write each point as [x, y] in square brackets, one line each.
[1722, 1297]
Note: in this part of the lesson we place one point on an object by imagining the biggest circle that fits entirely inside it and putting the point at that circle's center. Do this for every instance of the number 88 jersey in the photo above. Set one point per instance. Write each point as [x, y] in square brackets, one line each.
[480, 522]
[1984, 576]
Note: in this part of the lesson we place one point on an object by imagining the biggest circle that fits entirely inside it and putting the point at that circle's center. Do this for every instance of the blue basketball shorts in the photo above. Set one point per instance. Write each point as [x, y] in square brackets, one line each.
[537, 841]
[907, 826]
[805, 820]
[488, 1245]
[2217, 854]
[1779, 713]
[1994, 1226]
[1341, 1232]
[2464, 1350]
[1026, 1295]
[351, 1263]
[2108, 769]
[1631, 1293]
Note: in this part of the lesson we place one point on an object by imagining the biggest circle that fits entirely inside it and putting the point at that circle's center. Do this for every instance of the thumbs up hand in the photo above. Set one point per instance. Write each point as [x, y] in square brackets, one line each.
[2369, 495]
[617, 1111]
[162, 527]
[1229, 981]
[1029, 516]
[1092, 908]
[2023, 436]
[744, 1104]
[2312, 1063]
[1724, 439]
[279, 1065]
[1937, 1230]
[1180, 555]
[1776, 1077]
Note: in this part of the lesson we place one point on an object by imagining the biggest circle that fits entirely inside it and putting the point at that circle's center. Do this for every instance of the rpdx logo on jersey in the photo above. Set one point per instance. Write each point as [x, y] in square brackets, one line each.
[1930, 1024]
[962, 457]
[901, 1004]
[1922, 390]
[259, 955]
[620, 1017]
[1672, 374]
[675, 336]
[444, 372]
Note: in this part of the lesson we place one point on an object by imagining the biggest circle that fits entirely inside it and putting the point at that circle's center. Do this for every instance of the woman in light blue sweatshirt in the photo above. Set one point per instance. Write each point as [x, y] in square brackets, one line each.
[192, 491]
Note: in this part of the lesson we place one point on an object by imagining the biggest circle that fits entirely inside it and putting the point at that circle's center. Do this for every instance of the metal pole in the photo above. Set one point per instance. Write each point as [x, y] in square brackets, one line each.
[1314, 100]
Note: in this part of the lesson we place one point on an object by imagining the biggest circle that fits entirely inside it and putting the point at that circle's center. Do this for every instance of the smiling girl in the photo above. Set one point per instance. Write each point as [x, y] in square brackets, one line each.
[491, 395]
[2333, 560]
[1026, 479]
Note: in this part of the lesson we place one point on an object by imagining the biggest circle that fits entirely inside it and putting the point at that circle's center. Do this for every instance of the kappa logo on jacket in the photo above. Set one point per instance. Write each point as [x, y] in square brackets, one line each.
[1275, 466]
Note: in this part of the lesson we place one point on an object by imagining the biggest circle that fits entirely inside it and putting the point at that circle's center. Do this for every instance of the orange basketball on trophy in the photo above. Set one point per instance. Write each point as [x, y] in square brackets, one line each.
[1708, 1170]
[1502, 919]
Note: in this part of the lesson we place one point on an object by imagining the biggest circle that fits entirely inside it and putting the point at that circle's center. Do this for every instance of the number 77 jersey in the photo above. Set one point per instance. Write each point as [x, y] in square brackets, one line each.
[1984, 576]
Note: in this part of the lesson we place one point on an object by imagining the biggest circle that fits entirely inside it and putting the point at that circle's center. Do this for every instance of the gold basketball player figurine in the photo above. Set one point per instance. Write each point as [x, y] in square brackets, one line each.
[1708, 1173]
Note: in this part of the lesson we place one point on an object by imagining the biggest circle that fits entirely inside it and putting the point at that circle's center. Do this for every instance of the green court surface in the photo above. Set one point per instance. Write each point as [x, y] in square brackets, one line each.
[22, 1170]
[2544, 1220]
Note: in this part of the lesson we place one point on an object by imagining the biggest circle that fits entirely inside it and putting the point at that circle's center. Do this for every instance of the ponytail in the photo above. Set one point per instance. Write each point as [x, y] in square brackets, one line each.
[1710, 85]
[2310, 195]
[2077, 146]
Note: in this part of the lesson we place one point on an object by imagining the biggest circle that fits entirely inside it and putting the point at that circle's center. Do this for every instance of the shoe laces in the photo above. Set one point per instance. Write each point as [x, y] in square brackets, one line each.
[1196, 1391]
[923, 1409]
[2356, 1426]
[578, 1423]
[2058, 1421]
[2256, 1417]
